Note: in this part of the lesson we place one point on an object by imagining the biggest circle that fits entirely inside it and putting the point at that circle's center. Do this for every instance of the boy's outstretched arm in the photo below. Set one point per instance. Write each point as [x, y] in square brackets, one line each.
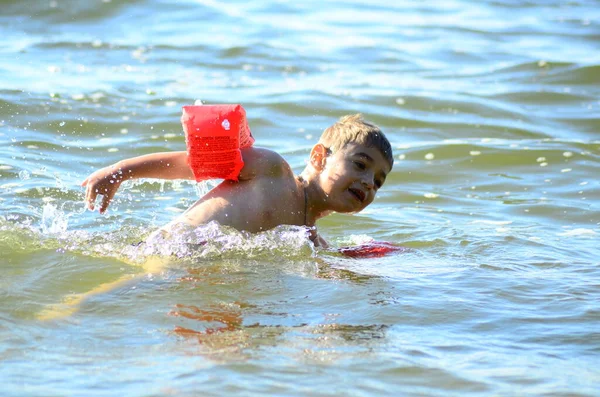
[106, 181]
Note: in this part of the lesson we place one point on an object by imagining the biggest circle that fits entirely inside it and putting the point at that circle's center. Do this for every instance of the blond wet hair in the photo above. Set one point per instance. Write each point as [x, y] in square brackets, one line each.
[354, 129]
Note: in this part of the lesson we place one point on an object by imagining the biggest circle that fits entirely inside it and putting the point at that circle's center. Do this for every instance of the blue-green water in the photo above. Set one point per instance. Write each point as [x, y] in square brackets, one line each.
[493, 110]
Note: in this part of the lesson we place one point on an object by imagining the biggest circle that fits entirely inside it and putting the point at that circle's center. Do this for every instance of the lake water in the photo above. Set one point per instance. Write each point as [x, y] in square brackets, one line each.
[493, 111]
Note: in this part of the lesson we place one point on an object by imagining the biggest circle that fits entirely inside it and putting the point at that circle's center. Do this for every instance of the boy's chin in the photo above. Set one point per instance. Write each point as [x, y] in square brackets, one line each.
[351, 211]
[348, 207]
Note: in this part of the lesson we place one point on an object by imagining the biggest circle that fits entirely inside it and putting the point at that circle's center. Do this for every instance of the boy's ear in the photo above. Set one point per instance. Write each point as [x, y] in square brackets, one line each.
[318, 156]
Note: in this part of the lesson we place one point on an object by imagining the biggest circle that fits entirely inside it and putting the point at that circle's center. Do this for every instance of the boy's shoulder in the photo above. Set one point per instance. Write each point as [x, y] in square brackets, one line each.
[263, 162]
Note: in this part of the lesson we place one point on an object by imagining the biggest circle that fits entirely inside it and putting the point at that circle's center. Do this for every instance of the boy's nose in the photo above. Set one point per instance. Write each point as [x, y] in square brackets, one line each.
[368, 182]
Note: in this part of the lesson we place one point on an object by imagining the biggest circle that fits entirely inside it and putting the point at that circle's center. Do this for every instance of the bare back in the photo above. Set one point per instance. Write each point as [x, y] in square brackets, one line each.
[267, 195]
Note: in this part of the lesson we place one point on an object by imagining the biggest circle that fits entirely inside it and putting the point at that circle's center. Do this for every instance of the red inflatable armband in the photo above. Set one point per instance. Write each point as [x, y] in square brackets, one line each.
[214, 135]
[374, 249]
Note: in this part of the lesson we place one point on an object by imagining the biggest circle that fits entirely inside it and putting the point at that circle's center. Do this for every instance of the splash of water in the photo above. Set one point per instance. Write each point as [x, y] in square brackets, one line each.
[214, 240]
[132, 244]
[53, 220]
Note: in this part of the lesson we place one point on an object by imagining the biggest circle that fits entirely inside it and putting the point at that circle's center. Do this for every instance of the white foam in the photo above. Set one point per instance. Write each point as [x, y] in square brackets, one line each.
[578, 232]
[495, 223]
[53, 220]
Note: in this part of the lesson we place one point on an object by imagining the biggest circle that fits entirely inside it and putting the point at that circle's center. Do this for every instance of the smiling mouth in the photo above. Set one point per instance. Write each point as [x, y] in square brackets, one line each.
[360, 196]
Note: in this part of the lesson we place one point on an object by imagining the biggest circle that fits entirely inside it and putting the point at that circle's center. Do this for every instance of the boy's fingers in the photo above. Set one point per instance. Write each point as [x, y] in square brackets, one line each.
[106, 199]
[90, 197]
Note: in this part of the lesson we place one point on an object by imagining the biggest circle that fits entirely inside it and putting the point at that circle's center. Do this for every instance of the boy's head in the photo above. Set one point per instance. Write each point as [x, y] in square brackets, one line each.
[354, 129]
[349, 164]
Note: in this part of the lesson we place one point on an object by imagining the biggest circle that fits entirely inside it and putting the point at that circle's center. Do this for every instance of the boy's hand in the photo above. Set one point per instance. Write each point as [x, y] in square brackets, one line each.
[317, 240]
[104, 182]
[321, 242]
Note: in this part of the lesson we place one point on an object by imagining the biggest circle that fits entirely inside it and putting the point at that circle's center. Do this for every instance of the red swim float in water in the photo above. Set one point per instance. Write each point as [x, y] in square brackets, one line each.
[374, 249]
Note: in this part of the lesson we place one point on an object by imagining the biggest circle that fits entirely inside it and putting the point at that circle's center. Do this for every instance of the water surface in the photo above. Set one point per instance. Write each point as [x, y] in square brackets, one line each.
[493, 111]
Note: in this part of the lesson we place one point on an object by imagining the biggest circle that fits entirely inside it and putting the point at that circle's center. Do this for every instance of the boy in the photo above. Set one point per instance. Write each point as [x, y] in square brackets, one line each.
[345, 169]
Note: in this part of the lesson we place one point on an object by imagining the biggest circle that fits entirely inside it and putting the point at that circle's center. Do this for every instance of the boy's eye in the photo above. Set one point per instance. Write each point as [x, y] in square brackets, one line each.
[360, 165]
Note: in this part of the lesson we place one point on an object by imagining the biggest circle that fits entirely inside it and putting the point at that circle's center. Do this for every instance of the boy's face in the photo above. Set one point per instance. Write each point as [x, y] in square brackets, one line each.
[351, 177]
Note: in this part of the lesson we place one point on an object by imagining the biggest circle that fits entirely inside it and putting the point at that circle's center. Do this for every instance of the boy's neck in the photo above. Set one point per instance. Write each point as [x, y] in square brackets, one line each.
[312, 195]
[305, 194]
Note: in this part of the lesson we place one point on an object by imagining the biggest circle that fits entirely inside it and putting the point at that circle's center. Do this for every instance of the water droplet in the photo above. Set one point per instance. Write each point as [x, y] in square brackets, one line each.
[62, 123]
[429, 156]
[24, 175]
[198, 102]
